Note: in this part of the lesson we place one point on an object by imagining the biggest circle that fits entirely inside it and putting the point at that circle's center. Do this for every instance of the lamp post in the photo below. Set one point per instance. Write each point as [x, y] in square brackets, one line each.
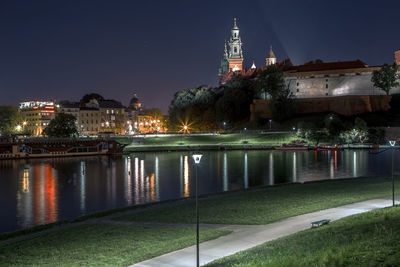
[392, 144]
[270, 124]
[197, 157]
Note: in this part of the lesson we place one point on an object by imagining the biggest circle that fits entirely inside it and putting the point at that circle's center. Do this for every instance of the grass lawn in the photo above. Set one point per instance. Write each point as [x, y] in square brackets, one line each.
[265, 205]
[368, 239]
[101, 245]
[222, 139]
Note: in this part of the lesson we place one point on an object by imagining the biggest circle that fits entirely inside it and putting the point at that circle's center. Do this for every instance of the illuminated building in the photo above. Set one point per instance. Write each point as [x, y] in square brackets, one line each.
[341, 87]
[149, 124]
[113, 117]
[106, 116]
[36, 115]
[71, 108]
[132, 111]
[89, 121]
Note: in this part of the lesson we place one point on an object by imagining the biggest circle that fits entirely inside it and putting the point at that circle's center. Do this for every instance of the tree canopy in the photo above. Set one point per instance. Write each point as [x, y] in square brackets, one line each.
[63, 125]
[270, 82]
[9, 119]
[86, 98]
[194, 107]
[386, 78]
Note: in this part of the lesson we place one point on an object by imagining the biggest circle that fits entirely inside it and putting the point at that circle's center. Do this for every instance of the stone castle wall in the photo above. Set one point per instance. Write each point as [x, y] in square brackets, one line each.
[343, 105]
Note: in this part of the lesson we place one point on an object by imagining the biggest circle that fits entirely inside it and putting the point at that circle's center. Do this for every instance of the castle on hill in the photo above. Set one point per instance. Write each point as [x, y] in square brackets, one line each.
[319, 84]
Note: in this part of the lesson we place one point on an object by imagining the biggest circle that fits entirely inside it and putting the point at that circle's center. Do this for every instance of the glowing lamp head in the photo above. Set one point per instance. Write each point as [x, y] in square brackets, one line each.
[18, 128]
[197, 157]
[185, 127]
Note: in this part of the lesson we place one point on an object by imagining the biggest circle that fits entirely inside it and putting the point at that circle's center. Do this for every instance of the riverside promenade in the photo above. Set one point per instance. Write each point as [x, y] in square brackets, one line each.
[247, 236]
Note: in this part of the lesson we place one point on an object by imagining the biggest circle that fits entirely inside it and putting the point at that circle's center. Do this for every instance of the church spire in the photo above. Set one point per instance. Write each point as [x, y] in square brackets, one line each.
[225, 51]
[271, 59]
[224, 62]
[234, 24]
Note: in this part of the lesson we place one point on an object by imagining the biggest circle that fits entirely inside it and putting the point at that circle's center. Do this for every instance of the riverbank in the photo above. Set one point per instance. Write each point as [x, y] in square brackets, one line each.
[192, 142]
[115, 234]
[231, 141]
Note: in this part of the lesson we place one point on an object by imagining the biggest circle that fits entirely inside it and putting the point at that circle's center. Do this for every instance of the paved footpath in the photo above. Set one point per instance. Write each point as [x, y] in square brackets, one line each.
[247, 236]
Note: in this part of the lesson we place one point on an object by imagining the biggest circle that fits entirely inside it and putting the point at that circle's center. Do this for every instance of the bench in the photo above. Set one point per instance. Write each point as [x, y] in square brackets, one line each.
[319, 223]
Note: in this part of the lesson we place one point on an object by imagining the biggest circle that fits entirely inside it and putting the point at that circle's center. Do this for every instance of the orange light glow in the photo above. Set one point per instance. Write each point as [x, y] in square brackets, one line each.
[152, 187]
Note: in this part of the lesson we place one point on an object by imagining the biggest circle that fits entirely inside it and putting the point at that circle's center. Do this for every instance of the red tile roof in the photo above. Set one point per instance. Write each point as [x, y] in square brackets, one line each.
[355, 64]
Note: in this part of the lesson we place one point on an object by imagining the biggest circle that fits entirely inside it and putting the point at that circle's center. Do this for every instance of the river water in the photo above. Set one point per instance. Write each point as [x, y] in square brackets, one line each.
[40, 191]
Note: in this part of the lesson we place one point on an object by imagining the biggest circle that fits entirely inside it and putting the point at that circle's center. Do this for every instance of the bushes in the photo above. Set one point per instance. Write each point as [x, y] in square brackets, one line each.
[337, 131]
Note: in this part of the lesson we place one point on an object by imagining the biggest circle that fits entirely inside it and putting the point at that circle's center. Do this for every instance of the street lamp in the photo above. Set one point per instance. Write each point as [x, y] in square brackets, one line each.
[197, 157]
[392, 144]
[270, 124]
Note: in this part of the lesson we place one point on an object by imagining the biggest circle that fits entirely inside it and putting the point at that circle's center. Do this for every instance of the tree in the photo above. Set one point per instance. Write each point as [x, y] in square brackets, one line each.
[360, 124]
[270, 81]
[386, 78]
[234, 105]
[333, 124]
[63, 125]
[9, 119]
[86, 98]
[193, 106]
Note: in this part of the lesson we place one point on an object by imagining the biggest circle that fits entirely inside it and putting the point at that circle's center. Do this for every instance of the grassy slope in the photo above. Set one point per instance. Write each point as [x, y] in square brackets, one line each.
[369, 239]
[100, 245]
[250, 138]
[270, 204]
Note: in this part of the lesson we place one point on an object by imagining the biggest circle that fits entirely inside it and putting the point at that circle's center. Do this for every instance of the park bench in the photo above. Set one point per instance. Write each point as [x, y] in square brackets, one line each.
[319, 223]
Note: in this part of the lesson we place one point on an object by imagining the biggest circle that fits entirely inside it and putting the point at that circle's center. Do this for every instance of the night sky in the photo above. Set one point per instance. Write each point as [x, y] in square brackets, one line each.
[64, 49]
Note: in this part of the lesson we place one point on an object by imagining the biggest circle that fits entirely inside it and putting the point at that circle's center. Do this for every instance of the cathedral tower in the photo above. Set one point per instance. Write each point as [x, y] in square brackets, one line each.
[235, 58]
[271, 59]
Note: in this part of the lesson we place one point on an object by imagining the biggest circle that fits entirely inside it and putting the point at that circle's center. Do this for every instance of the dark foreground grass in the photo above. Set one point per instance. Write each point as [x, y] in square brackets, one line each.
[100, 245]
[270, 204]
[369, 239]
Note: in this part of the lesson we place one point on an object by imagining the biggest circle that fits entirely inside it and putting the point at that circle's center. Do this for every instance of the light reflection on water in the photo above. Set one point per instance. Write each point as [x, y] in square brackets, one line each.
[42, 191]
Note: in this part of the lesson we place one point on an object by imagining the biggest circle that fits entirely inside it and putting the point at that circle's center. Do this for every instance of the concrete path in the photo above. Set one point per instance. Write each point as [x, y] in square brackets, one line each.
[248, 236]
